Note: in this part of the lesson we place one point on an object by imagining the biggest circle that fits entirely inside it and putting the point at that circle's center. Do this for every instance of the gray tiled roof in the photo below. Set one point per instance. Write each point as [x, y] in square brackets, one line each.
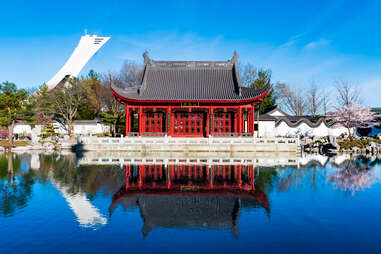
[190, 80]
[189, 211]
[266, 117]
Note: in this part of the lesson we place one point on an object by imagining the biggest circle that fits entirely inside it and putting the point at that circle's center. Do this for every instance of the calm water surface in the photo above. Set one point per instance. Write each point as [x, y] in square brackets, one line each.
[54, 204]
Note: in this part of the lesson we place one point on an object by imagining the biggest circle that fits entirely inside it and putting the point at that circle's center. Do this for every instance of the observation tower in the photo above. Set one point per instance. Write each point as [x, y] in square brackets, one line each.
[86, 48]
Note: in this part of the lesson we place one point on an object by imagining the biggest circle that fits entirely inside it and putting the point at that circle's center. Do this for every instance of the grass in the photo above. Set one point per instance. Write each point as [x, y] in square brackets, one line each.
[5, 143]
[360, 143]
[47, 141]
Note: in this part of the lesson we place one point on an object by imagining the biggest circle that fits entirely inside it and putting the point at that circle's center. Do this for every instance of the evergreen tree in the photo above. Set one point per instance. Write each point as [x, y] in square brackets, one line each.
[111, 120]
[44, 101]
[15, 104]
[263, 78]
[90, 106]
[48, 130]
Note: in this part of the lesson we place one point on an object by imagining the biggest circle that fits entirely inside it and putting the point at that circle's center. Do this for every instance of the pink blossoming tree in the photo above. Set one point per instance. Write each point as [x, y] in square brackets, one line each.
[351, 115]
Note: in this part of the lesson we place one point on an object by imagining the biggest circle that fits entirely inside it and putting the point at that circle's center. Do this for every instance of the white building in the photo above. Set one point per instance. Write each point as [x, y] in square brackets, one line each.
[80, 127]
[89, 127]
[278, 123]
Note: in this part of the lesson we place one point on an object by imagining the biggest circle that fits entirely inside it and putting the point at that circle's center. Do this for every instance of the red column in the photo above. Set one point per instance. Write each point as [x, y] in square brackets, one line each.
[253, 178]
[140, 120]
[207, 172]
[207, 123]
[239, 121]
[252, 119]
[169, 121]
[169, 176]
[211, 121]
[143, 121]
[127, 173]
[128, 120]
[210, 168]
[189, 174]
[172, 122]
[140, 179]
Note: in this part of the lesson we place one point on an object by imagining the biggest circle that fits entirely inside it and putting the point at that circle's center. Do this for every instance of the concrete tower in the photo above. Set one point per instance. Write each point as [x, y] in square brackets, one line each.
[86, 48]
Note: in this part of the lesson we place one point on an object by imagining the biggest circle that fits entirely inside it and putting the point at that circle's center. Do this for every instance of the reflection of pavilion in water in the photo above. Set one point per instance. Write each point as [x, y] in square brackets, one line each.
[190, 196]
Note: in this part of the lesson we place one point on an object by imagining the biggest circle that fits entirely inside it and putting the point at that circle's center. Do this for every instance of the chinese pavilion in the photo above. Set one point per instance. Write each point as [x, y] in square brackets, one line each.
[190, 99]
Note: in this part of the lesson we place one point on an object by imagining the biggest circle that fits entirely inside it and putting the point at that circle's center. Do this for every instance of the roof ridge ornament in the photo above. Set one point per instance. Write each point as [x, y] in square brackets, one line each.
[146, 58]
[235, 57]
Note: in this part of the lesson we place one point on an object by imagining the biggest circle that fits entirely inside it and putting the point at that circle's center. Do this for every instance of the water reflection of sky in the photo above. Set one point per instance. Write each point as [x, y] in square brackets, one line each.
[64, 207]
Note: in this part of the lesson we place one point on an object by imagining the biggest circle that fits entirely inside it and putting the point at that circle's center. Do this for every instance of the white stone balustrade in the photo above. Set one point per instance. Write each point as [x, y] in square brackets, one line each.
[233, 144]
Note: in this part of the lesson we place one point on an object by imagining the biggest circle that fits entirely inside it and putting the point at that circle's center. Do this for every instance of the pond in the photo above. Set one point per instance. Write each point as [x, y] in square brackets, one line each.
[58, 203]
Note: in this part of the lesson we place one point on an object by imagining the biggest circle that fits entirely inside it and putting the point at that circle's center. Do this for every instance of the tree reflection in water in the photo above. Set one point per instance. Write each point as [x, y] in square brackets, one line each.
[355, 174]
[15, 186]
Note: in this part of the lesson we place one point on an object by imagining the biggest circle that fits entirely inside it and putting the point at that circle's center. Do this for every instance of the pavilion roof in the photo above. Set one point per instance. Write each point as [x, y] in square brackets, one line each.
[190, 81]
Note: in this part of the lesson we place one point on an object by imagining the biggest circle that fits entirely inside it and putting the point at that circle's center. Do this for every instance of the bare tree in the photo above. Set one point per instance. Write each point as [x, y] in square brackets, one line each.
[248, 74]
[112, 110]
[347, 93]
[292, 100]
[326, 102]
[130, 74]
[108, 100]
[315, 100]
[67, 102]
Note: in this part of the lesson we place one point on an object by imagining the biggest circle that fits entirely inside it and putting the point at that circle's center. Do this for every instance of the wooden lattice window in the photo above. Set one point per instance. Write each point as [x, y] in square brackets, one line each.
[223, 122]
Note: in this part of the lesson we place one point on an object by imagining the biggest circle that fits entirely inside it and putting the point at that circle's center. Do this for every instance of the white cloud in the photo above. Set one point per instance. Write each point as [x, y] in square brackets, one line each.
[315, 44]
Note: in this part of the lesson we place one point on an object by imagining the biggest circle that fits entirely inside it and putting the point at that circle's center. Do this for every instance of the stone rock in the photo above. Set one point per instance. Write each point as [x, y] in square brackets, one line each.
[332, 141]
[356, 150]
[35, 136]
[372, 147]
[48, 146]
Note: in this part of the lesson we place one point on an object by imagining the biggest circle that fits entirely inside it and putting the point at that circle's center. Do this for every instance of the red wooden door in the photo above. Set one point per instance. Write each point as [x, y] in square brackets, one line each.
[187, 124]
[154, 122]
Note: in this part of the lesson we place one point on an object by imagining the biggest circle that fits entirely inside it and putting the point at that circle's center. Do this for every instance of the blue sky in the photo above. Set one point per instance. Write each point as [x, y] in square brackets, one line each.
[300, 41]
